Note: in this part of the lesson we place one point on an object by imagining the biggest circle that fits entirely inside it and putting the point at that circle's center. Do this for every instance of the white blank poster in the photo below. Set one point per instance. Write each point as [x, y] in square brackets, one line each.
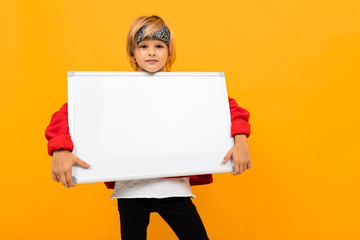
[136, 125]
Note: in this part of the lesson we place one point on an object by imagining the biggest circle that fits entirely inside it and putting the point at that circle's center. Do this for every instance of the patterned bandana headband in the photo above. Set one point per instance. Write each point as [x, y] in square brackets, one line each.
[163, 34]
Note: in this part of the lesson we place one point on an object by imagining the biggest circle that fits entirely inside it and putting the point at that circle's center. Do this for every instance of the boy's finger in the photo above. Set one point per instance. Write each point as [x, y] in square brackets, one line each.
[54, 177]
[63, 180]
[236, 169]
[69, 180]
[227, 157]
[249, 165]
[242, 168]
[81, 163]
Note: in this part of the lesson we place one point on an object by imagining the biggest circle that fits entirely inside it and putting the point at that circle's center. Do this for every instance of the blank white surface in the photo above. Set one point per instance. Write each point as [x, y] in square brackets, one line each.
[135, 125]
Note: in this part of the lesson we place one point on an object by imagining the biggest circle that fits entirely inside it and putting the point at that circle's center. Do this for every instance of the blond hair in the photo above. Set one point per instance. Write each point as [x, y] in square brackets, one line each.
[155, 23]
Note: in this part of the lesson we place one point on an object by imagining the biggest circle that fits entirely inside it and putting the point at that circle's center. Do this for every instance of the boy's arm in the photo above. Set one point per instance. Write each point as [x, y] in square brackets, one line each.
[57, 133]
[240, 130]
[239, 119]
[60, 146]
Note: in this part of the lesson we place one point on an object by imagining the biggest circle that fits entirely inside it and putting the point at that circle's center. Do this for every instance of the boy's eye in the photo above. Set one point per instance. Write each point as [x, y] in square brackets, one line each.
[160, 46]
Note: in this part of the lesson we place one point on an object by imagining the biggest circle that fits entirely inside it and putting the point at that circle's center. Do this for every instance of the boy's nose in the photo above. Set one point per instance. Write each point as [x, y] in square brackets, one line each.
[151, 51]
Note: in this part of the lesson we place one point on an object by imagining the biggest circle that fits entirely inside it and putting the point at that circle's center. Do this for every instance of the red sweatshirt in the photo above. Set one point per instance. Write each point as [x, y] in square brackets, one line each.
[58, 136]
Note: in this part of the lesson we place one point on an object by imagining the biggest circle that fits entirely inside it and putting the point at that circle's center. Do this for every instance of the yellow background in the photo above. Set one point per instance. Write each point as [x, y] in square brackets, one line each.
[293, 64]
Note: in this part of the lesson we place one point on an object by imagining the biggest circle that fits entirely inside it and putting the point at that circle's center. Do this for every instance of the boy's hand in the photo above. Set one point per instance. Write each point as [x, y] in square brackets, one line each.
[61, 169]
[240, 155]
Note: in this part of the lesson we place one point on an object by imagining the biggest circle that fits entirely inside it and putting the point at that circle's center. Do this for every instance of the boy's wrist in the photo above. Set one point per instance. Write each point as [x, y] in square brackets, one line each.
[60, 150]
[240, 138]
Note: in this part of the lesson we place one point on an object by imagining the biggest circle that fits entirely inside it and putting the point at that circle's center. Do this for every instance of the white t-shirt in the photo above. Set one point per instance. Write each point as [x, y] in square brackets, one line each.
[153, 188]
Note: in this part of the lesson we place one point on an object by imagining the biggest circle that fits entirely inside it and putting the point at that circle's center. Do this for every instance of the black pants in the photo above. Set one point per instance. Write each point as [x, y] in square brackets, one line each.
[179, 212]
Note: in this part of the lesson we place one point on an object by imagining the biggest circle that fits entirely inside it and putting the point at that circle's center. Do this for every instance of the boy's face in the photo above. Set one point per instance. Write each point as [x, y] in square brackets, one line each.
[151, 55]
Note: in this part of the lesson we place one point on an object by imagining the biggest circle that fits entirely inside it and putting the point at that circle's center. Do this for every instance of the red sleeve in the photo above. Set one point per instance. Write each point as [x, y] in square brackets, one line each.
[57, 133]
[239, 119]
